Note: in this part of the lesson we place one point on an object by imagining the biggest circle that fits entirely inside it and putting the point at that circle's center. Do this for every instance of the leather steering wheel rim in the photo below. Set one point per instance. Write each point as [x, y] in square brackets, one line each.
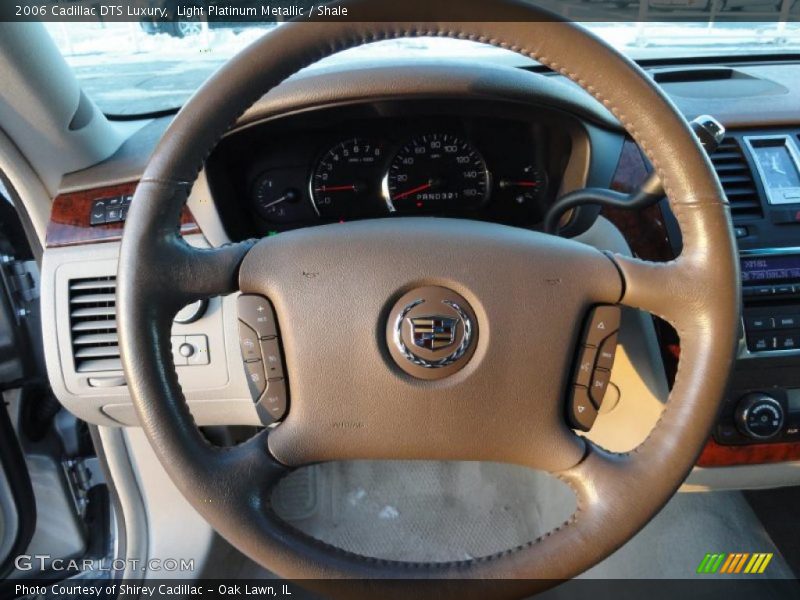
[698, 293]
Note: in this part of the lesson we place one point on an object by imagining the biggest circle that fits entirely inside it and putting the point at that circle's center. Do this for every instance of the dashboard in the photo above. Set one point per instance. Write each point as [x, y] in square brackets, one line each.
[477, 142]
[473, 160]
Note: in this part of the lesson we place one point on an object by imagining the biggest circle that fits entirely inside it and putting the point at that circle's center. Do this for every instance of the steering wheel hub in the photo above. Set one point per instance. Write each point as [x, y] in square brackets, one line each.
[431, 332]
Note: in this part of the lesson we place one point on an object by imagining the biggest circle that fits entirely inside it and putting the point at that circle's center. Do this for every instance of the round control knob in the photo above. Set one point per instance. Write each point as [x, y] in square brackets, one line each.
[191, 312]
[186, 350]
[759, 416]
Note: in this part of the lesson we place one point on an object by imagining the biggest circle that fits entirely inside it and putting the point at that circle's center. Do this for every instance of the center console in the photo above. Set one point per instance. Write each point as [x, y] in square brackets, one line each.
[761, 412]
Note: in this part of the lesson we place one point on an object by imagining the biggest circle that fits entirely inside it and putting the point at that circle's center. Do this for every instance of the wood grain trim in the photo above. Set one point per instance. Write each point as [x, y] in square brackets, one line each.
[717, 455]
[644, 230]
[69, 219]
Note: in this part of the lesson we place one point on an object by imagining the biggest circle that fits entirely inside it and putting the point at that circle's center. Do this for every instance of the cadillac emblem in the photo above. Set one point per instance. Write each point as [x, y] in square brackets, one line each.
[431, 332]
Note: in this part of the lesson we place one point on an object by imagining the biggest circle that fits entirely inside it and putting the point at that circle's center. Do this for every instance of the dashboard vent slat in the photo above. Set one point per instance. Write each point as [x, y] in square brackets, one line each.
[92, 284]
[102, 325]
[737, 181]
[93, 299]
[93, 324]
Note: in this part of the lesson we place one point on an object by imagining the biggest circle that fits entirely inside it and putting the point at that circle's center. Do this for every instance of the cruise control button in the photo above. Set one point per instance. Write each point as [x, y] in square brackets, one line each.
[581, 412]
[256, 380]
[273, 402]
[256, 312]
[604, 322]
[271, 355]
[599, 385]
[585, 366]
[248, 342]
[606, 353]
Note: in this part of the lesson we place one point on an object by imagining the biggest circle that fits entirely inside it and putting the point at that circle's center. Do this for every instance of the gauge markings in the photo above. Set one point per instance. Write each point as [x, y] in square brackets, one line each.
[339, 186]
[436, 171]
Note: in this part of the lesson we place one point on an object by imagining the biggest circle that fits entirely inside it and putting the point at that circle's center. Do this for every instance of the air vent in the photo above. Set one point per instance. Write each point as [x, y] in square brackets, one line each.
[737, 180]
[695, 74]
[93, 324]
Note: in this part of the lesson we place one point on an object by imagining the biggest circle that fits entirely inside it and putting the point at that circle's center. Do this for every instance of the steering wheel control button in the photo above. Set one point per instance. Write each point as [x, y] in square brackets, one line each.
[271, 355]
[607, 352]
[592, 375]
[256, 379]
[599, 385]
[582, 412]
[586, 366]
[431, 332]
[272, 405]
[260, 344]
[603, 322]
[256, 312]
[249, 343]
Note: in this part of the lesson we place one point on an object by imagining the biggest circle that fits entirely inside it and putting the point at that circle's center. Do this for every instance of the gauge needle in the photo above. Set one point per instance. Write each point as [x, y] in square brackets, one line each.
[506, 183]
[337, 188]
[419, 188]
[287, 196]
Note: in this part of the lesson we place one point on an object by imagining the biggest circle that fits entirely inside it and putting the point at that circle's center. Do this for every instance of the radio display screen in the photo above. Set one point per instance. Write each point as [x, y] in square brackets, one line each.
[757, 269]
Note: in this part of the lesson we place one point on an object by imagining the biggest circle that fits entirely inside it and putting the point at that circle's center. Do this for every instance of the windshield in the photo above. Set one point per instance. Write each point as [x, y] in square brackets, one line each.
[138, 68]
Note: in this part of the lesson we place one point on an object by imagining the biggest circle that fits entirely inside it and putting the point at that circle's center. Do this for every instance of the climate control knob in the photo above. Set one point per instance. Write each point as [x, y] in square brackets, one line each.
[759, 416]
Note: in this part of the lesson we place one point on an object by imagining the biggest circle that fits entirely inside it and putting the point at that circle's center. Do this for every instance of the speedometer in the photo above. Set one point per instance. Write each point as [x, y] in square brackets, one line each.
[434, 172]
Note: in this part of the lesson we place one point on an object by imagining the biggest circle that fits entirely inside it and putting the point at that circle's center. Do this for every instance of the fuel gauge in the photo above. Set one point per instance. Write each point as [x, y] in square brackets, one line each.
[520, 196]
[526, 188]
[277, 200]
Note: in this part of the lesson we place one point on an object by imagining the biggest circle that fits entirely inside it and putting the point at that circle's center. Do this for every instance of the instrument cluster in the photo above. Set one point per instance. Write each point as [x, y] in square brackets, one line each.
[477, 167]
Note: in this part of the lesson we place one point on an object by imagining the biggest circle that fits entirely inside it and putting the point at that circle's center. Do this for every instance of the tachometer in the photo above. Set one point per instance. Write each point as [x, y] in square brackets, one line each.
[343, 184]
[435, 172]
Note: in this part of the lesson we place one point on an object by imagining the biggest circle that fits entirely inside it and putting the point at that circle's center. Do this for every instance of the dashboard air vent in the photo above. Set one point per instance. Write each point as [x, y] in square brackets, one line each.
[93, 324]
[737, 180]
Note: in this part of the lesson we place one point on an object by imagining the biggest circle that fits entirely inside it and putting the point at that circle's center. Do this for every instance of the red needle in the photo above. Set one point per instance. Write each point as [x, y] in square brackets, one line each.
[419, 188]
[336, 188]
[524, 183]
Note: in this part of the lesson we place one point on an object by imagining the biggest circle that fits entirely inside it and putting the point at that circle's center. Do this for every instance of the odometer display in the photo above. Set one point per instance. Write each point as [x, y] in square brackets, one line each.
[435, 172]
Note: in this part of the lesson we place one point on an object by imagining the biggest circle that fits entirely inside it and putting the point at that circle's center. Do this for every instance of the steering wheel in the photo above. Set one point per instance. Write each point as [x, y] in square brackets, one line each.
[524, 293]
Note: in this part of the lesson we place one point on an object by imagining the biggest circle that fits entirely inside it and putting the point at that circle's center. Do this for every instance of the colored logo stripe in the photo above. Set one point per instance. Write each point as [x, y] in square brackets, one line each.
[710, 563]
[734, 562]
